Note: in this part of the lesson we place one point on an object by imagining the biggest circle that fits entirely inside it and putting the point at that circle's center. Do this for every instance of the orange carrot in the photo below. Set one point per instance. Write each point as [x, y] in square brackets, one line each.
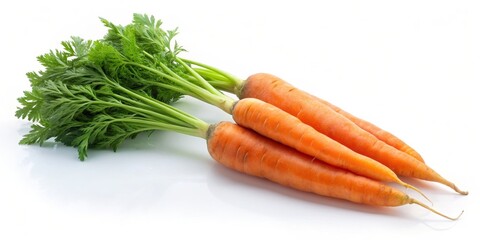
[379, 133]
[274, 123]
[324, 119]
[262, 84]
[245, 151]
[278, 86]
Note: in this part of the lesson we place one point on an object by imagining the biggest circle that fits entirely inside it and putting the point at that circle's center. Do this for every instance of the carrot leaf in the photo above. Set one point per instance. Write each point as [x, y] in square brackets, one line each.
[75, 102]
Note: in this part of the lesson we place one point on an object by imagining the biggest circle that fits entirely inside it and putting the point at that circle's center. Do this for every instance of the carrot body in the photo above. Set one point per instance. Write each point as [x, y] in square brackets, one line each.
[274, 123]
[256, 85]
[245, 151]
[326, 120]
[248, 152]
[379, 133]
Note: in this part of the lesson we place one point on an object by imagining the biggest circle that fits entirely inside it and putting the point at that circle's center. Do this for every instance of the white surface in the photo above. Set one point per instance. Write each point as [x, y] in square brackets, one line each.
[411, 67]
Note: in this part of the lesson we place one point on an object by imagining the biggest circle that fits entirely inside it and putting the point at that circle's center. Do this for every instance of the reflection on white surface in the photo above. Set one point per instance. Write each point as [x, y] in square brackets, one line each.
[138, 173]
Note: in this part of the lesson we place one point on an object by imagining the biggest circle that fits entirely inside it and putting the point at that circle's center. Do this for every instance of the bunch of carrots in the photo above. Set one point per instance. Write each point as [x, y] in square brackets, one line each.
[95, 94]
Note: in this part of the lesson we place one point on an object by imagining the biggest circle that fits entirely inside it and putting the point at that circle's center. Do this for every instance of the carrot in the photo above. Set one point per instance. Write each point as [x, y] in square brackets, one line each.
[324, 119]
[278, 86]
[96, 94]
[172, 77]
[144, 56]
[262, 83]
[283, 127]
[376, 131]
[248, 152]
[168, 76]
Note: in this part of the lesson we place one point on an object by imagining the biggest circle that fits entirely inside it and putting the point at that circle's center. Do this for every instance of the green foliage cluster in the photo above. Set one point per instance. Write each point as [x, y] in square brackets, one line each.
[99, 93]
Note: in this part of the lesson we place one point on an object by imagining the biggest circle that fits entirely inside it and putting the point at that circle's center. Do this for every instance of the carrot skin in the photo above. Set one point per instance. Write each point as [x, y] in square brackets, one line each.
[264, 85]
[376, 131]
[248, 152]
[324, 119]
[274, 123]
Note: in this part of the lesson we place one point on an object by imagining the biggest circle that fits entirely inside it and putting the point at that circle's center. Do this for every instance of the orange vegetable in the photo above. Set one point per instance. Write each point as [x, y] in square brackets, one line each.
[274, 123]
[245, 151]
[273, 85]
[263, 86]
[324, 119]
[379, 133]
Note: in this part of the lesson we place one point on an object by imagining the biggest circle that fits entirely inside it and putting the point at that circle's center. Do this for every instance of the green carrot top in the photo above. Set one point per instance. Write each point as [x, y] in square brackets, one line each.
[98, 93]
[75, 102]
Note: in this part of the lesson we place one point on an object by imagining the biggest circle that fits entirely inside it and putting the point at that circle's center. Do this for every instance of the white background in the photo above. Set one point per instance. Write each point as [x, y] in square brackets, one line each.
[411, 67]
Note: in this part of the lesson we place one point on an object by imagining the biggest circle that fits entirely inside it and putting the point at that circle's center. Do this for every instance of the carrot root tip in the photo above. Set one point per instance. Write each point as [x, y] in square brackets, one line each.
[414, 201]
[459, 191]
[418, 191]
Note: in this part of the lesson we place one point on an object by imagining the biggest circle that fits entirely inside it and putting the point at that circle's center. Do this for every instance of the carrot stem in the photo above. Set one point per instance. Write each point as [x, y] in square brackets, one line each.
[234, 81]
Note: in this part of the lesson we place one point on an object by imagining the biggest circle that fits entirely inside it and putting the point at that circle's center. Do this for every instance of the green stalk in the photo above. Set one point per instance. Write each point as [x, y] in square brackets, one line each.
[164, 85]
[217, 99]
[232, 80]
[198, 131]
[216, 80]
[145, 109]
[164, 108]
[163, 111]
[202, 81]
[207, 73]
